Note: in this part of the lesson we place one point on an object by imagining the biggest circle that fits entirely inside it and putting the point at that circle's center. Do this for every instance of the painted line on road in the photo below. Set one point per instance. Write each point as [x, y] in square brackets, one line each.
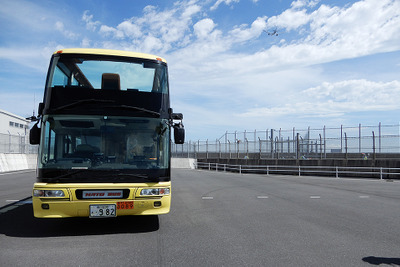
[19, 201]
[16, 172]
[315, 197]
[209, 198]
[262, 197]
[363, 196]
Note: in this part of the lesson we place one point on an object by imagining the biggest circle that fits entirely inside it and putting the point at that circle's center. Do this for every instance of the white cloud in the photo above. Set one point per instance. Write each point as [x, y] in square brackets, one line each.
[154, 32]
[290, 19]
[129, 29]
[203, 28]
[88, 19]
[336, 99]
[69, 34]
[86, 42]
[243, 33]
[226, 2]
[303, 3]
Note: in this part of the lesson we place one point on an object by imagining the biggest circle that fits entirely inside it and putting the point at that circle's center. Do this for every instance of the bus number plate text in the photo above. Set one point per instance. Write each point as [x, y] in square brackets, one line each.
[102, 211]
[126, 205]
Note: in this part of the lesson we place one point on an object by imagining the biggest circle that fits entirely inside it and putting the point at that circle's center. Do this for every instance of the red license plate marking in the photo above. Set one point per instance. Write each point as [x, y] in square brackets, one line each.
[126, 205]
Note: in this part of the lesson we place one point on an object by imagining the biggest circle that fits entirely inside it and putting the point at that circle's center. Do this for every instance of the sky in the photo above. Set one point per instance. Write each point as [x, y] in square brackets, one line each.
[234, 65]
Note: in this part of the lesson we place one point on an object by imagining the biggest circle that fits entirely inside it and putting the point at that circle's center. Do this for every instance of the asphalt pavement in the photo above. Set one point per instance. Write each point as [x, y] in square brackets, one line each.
[217, 219]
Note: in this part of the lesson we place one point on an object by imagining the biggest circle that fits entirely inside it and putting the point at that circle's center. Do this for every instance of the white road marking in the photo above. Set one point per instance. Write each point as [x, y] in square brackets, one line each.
[19, 201]
[16, 172]
[207, 197]
[363, 196]
[261, 197]
[315, 197]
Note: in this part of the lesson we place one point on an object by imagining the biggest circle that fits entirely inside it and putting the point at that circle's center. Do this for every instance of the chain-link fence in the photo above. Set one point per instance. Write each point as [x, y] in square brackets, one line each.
[17, 144]
[365, 141]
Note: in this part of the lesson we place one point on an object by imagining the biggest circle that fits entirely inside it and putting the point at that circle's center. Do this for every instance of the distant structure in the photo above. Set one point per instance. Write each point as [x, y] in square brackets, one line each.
[12, 124]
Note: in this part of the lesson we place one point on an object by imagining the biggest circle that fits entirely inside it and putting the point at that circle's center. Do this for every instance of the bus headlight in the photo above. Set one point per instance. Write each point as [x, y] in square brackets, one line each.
[154, 192]
[48, 193]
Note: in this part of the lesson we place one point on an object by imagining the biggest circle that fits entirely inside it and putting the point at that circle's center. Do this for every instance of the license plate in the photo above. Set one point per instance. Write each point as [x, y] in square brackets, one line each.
[125, 205]
[103, 211]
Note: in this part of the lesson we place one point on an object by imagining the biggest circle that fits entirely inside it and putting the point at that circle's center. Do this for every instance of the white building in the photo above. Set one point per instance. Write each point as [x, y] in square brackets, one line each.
[12, 124]
[14, 133]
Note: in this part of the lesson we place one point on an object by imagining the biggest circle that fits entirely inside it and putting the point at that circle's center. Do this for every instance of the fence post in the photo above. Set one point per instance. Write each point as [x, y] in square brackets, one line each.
[272, 143]
[373, 145]
[320, 146]
[345, 144]
[229, 147]
[380, 136]
[238, 149]
[235, 140]
[381, 173]
[207, 149]
[226, 140]
[337, 172]
[359, 138]
[240, 169]
[294, 143]
[255, 143]
[299, 170]
[308, 140]
[324, 141]
[341, 138]
[247, 147]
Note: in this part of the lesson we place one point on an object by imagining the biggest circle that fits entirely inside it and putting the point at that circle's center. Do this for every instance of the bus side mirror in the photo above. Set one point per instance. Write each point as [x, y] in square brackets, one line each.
[179, 133]
[40, 108]
[34, 135]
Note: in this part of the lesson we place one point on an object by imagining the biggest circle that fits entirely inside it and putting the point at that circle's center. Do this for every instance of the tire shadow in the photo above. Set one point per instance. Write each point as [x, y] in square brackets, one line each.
[17, 220]
[381, 260]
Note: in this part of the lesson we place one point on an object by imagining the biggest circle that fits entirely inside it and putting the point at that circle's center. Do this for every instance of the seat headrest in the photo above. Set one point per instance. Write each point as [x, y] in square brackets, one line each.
[110, 81]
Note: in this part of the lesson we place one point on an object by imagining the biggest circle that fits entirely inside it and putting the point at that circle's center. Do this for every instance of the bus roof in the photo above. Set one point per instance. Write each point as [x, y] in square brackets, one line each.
[110, 52]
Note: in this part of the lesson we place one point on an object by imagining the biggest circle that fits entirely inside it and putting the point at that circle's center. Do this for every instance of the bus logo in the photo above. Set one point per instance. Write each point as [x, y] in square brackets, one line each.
[102, 194]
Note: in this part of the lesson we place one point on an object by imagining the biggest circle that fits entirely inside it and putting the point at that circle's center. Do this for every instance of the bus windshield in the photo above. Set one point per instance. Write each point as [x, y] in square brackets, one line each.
[105, 72]
[122, 145]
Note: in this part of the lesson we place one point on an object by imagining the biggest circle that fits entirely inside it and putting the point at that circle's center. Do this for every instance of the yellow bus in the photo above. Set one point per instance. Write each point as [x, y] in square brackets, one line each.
[104, 136]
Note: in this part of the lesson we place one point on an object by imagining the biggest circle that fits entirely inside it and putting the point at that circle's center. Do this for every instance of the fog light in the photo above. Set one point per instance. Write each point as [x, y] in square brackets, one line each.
[157, 203]
[45, 206]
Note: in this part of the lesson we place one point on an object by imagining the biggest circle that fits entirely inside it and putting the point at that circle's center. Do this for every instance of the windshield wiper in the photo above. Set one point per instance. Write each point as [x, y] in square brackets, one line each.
[84, 101]
[142, 176]
[135, 108]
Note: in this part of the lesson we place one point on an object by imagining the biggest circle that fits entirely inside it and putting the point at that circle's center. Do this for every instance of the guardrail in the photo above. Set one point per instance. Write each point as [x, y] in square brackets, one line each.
[334, 171]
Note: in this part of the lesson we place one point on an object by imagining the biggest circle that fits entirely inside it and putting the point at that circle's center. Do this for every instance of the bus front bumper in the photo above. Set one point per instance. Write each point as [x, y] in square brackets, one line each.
[98, 200]
[46, 208]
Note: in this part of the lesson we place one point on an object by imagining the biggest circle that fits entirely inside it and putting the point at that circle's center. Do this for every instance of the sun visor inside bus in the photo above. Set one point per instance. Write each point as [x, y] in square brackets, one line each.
[77, 124]
[75, 100]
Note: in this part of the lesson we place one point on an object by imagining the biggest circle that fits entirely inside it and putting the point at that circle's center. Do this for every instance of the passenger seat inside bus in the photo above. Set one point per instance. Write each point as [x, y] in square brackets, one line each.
[110, 81]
